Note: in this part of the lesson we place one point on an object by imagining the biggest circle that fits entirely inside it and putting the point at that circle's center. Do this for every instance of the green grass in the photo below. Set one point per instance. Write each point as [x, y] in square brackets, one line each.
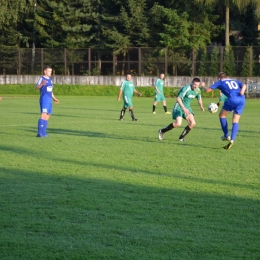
[98, 188]
[88, 90]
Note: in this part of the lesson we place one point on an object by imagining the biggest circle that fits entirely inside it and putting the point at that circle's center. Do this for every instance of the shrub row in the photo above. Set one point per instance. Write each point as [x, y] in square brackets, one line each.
[81, 90]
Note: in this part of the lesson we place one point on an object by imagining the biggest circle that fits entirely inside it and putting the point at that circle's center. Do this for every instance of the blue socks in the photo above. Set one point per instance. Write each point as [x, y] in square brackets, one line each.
[234, 132]
[224, 125]
[45, 125]
[42, 126]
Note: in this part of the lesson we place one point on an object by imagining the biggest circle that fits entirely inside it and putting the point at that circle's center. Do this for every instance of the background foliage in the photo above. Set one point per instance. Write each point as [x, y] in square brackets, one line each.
[118, 24]
[81, 90]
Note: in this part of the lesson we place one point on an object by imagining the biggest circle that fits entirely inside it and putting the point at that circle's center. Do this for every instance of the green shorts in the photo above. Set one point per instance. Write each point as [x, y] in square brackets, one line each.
[127, 101]
[159, 98]
[178, 111]
[222, 98]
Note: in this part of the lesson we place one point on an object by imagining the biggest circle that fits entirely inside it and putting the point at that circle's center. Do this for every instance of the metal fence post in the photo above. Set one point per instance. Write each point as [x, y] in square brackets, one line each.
[114, 64]
[65, 61]
[139, 61]
[193, 62]
[89, 61]
[166, 61]
[19, 62]
[42, 58]
[250, 61]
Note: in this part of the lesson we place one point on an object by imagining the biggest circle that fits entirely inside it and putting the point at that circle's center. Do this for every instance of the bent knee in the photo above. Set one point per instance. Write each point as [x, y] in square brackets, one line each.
[192, 124]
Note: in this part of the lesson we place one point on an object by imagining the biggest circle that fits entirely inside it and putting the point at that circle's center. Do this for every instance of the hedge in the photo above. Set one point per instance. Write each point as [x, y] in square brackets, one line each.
[93, 90]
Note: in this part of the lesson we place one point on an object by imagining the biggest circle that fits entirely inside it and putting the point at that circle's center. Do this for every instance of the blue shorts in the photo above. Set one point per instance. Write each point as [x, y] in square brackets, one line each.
[236, 104]
[46, 107]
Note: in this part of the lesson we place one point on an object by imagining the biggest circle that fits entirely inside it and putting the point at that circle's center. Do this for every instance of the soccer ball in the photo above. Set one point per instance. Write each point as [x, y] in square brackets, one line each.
[212, 108]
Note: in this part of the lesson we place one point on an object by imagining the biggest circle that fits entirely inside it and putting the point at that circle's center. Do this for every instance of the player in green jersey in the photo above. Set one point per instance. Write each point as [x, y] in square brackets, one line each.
[158, 94]
[222, 98]
[127, 89]
[182, 109]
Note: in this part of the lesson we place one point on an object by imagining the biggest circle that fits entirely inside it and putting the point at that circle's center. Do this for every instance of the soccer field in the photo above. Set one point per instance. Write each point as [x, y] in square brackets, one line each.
[100, 188]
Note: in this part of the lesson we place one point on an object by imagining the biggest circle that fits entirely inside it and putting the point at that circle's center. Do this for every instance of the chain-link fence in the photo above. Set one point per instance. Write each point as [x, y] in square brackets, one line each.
[236, 61]
[253, 89]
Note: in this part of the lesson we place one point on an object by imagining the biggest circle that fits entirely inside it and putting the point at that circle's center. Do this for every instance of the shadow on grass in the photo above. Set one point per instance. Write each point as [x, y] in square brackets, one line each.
[62, 131]
[129, 169]
[47, 216]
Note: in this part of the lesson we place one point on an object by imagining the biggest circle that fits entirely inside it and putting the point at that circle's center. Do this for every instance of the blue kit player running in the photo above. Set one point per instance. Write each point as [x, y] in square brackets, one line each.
[234, 90]
[46, 96]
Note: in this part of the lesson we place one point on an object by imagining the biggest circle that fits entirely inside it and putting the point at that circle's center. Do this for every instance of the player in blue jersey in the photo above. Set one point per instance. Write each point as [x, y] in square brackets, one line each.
[46, 96]
[234, 90]
[159, 95]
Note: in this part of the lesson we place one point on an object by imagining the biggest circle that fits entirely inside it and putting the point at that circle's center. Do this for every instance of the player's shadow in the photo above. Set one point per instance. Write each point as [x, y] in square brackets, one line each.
[91, 134]
[130, 169]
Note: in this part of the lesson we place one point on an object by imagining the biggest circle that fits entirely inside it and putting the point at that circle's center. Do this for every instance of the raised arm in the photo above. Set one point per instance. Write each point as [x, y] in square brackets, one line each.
[203, 86]
[43, 82]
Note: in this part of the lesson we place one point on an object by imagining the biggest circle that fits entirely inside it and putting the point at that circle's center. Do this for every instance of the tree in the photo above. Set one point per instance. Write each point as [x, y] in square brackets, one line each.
[119, 43]
[203, 65]
[64, 23]
[11, 14]
[247, 68]
[126, 29]
[241, 4]
[229, 61]
[215, 62]
[131, 22]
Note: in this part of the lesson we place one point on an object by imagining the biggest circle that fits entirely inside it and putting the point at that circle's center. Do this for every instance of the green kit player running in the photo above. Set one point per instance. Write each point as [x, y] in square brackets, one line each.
[222, 99]
[158, 94]
[182, 109]
[127, 89]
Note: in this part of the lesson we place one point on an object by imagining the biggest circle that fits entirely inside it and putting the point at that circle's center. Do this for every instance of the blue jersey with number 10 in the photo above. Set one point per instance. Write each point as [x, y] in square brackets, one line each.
[229, 87]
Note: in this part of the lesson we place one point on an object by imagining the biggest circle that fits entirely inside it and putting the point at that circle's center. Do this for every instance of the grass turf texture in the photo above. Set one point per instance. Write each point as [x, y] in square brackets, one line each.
[99, 188]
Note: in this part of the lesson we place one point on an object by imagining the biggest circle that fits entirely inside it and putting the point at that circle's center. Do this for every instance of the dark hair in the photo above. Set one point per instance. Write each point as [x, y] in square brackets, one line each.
[222, 75]
[46, 67]
[196, 80]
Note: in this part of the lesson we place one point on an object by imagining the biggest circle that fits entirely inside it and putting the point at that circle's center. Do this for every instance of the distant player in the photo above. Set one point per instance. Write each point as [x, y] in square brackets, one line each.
[46, 96]
[127, 89]
[158, 94]
[182, 109]
[234, 90]
[0, 98]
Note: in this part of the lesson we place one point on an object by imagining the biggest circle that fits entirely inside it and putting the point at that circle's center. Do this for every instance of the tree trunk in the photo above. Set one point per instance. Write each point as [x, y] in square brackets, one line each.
[123, 64]
[227, 25]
